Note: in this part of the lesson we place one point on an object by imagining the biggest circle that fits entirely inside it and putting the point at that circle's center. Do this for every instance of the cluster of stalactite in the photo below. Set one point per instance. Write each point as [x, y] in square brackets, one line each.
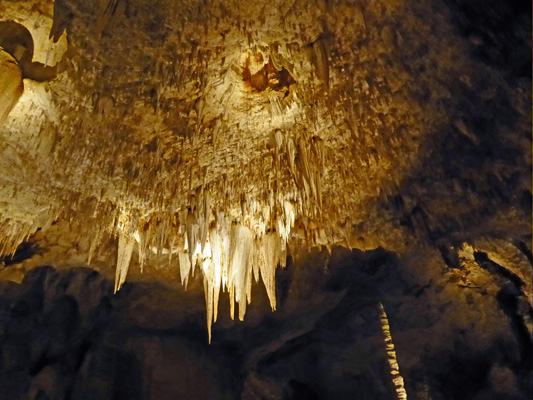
[223, 139]
[227, 253]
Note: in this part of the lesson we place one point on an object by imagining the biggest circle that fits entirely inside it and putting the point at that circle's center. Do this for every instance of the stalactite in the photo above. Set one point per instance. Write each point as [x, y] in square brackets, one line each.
[271, 253]
[229, 253]
[241, 245]
[217, 156]
[97, 236]
[125, 250]
[185, 267]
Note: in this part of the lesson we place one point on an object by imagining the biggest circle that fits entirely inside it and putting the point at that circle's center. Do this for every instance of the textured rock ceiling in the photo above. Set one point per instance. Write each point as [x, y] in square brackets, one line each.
[219, 135]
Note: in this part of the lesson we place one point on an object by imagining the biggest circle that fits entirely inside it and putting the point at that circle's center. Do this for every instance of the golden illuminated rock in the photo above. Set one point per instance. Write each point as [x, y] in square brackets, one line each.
[219, 136]
[11, 85]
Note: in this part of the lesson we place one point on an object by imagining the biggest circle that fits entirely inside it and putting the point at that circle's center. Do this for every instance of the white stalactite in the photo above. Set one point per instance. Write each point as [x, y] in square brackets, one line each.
[125, 249]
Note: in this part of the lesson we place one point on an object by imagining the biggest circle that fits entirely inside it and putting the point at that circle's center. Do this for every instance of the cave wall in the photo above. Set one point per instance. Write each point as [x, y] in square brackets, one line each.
[459, 334]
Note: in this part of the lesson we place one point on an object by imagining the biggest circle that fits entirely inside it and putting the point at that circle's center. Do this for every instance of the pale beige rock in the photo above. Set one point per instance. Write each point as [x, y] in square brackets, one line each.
[11, 85]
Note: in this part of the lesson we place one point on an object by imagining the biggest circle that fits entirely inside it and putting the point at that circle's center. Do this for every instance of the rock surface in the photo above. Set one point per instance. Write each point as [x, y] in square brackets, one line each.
[227, 132]
[161, 144]
[65, 335]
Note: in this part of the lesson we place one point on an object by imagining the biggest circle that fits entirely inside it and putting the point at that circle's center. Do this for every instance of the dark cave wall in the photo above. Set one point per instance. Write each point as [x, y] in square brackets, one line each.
[65, 336]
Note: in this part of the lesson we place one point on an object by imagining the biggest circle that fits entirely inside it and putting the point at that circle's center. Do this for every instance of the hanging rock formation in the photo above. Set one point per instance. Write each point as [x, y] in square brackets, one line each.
[209, 140]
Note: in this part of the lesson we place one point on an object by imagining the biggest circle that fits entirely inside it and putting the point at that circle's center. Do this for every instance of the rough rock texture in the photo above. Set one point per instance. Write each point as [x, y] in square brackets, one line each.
[65, 335]
[225, 132]
[207, 143]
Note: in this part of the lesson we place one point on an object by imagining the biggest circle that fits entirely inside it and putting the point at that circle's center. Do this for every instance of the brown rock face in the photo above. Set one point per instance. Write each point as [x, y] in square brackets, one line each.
[203, 143]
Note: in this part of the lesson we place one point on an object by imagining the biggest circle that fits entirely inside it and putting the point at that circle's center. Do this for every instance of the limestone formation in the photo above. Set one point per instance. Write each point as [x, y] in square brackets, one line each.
[213, 139]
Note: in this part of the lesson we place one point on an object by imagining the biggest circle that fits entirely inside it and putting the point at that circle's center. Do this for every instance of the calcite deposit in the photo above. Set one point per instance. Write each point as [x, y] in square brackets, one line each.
[217, 138]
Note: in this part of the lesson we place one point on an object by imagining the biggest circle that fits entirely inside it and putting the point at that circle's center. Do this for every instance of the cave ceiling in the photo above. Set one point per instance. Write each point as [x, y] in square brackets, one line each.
[224, 135]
